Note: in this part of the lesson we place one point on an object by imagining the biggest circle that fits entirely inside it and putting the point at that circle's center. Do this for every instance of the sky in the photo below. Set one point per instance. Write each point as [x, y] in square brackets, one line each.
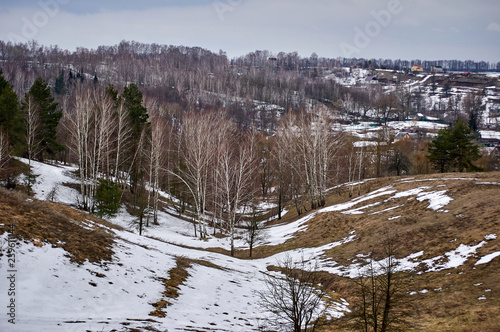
[392, 29]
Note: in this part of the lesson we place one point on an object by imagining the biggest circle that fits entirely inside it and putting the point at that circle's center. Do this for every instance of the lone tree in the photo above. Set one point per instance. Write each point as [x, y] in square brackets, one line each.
[382, 293]
[297, 298]
[454, 149]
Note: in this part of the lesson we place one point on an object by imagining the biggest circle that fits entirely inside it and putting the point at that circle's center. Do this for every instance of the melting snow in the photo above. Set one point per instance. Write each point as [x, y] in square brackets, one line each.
[490, 237]
[437, 199]
[488, 258]
[52, 290]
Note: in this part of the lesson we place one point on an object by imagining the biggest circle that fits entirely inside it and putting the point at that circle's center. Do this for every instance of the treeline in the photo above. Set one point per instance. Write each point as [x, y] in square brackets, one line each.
[256, 89]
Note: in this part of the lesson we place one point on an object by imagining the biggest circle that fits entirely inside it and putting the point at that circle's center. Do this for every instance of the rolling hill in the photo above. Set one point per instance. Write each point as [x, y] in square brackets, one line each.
[75, 272]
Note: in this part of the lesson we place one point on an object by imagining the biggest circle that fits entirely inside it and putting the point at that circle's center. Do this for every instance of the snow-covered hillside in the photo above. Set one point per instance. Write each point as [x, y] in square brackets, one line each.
[55, 294]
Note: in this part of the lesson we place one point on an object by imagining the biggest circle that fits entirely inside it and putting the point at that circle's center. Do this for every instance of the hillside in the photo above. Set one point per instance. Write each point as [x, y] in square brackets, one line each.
[75, 272]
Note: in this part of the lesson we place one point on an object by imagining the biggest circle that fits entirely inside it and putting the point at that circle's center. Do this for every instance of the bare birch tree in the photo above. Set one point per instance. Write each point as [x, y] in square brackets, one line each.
[318, 148]
[32, 123]
[310, 148]
[296, 298]
[123, 134]
[156, 159]
[197, 135]
[90, 123]
[236, 171]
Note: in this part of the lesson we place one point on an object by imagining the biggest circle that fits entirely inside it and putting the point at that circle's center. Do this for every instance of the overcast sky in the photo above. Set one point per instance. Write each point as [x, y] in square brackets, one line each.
[405, 29]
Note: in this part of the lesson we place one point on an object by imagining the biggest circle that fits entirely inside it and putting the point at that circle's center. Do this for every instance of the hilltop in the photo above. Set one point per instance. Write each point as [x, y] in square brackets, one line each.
[77, 272]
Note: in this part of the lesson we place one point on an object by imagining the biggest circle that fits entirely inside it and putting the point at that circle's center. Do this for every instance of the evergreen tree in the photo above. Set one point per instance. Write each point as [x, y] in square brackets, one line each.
[454, 149]
[107, 198]
[139, 119]
[138, 113]
[59, 85]
[440, 151]
[11, 119]
[49, 118]
[464, 151]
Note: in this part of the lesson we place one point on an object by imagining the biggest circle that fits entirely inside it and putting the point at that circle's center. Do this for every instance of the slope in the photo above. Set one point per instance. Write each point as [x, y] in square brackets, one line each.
[76, 272]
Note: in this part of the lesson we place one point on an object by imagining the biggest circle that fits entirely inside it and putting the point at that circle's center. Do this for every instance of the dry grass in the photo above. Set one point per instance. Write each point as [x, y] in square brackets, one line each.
[452, 301]
[43, 222]
[177, 277]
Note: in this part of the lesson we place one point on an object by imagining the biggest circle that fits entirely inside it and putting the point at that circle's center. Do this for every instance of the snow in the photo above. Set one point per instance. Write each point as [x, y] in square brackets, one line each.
[363, 144]
[489, 134]
[50, 178]
[387, 210]
[490, 237]
[450, 260]
[344, 206]
[488, 258]
[437, 199]
[453, 258]
[52, 290]
[398, 125]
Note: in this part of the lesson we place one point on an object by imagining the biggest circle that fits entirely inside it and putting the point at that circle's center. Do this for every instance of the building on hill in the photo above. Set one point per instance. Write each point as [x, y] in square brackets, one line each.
[417, 68]
[407, 135]
[371, 80]
[437, 69]
[489, 138]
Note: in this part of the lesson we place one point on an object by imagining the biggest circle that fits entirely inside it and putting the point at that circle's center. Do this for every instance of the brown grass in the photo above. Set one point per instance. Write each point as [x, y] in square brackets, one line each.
[177, 277]
[43, 222]
[452, 301]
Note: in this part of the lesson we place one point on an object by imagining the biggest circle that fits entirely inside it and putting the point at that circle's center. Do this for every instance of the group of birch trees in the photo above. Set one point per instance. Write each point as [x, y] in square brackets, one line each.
[202, 159]
[306, 158]
[116, 141]
[218, 165]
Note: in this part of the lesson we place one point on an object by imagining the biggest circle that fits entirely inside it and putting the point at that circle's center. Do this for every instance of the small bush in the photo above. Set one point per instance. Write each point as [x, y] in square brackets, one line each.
[107, 198]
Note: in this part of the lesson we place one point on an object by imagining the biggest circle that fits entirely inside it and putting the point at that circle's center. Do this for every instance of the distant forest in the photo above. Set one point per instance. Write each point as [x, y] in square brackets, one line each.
[194, 78]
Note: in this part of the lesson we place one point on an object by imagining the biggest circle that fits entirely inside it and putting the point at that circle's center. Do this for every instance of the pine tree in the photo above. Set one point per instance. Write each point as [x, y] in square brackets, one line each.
[139, 118]
[440, 151]
[454, 149]
[49, 118]
[59, 85]
[107, 198]
[138, 113]
[11, 120]
[464, 151]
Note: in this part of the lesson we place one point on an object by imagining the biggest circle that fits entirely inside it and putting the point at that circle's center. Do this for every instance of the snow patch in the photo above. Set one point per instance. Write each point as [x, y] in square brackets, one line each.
[490, 237]
[437, 199]
[488, 258]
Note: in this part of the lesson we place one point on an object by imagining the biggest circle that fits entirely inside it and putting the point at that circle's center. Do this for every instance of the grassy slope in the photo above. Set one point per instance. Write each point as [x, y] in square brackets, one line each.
[60, 225]
[473, 213]
[452, 301]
